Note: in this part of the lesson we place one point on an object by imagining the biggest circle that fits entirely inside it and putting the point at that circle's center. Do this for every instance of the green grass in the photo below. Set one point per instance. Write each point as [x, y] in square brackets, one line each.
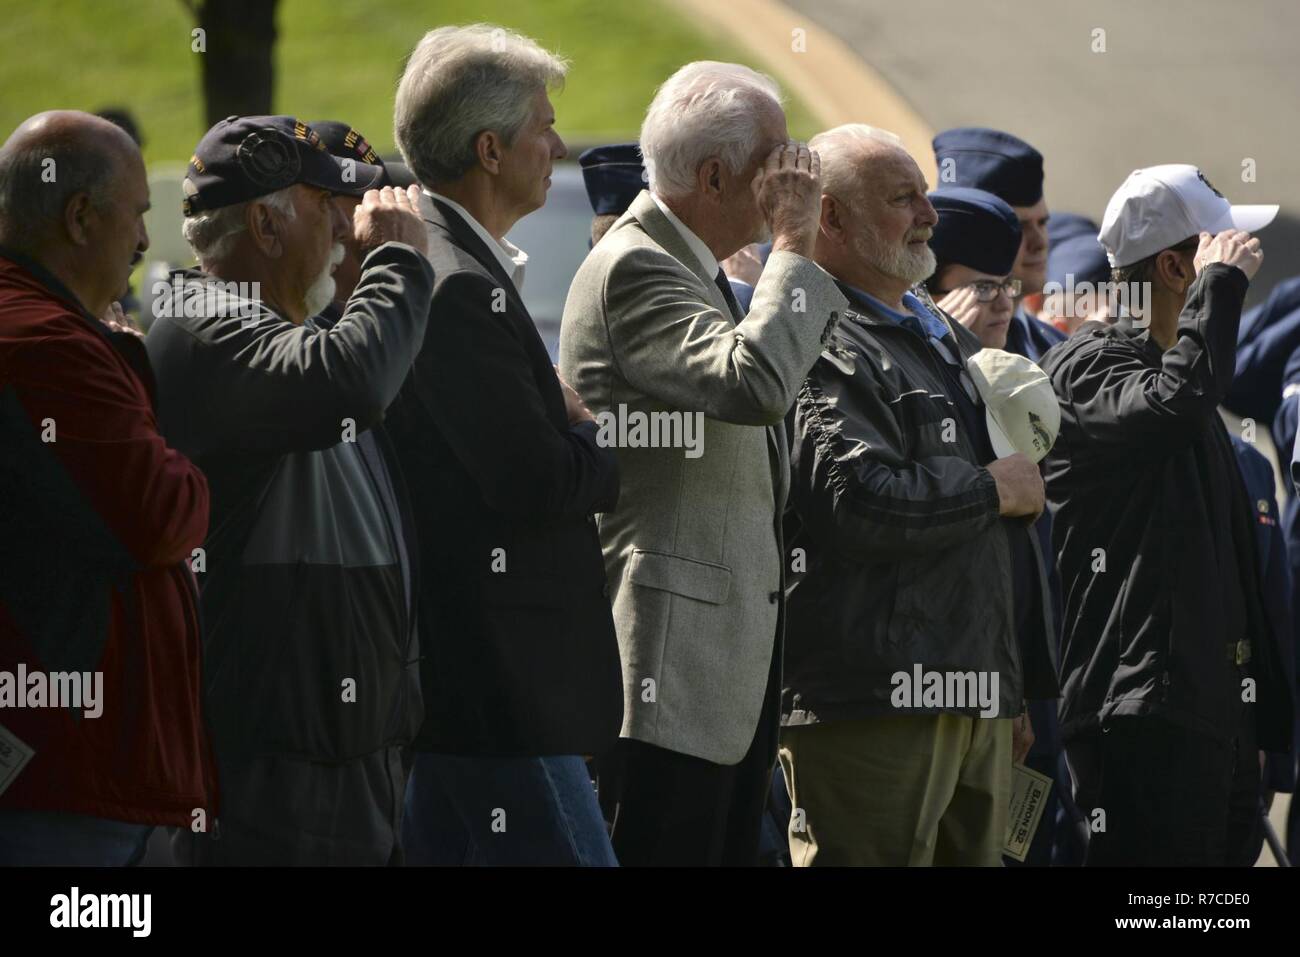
[338, 59]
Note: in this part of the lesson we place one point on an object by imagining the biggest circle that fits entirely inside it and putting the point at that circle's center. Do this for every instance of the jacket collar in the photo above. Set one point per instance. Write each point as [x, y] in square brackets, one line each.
[709, 265]
[46, 278]
[1124, 328]
[127, 345]
[51, 284]
[510, 257]
[646, 213]
[868, 312]
[445, 219]
[660, 228]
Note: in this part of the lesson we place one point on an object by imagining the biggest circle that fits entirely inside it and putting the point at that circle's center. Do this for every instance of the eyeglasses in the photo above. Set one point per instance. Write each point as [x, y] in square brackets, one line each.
[986, 290]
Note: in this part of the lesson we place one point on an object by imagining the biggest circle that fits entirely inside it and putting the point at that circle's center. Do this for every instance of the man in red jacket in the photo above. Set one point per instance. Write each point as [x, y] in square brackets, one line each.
[101, 731]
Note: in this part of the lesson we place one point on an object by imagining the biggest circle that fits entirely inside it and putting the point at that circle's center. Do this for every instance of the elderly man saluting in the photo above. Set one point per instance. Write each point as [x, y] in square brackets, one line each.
[309, 571]
[694, 548]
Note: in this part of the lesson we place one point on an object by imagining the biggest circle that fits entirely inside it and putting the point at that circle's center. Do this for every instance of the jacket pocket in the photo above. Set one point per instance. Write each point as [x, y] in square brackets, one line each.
[703, 581]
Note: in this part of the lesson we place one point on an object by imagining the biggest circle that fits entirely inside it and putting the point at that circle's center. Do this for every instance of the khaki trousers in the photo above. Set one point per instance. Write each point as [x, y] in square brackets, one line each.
[912, 790]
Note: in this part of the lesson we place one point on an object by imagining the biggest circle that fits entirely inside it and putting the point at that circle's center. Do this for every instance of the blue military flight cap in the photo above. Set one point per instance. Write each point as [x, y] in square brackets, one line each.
[991, 160]
[975, 229]
[613, 176]
[1063, 226]
[244, 157]
[1073, 250]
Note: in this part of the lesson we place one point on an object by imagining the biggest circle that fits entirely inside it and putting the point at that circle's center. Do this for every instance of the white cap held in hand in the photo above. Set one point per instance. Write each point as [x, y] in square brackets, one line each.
[1020, 405]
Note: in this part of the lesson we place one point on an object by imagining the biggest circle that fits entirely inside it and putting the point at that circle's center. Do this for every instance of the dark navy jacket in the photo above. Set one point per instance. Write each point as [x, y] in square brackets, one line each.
[309, 560]
[1268, 338]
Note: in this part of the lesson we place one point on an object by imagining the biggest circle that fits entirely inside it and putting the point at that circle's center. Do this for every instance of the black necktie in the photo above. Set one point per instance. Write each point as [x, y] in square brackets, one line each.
[720, 280]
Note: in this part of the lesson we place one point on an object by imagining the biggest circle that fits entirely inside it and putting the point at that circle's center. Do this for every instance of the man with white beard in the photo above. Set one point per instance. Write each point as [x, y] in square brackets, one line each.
[899, 514]
[307, 576]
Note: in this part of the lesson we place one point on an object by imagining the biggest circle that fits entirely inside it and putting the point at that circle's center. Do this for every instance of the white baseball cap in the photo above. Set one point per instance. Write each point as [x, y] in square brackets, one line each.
[1020, 405]
[1161, 206]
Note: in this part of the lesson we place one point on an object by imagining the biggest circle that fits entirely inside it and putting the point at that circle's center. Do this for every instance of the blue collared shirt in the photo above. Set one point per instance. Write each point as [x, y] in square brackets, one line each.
[917, 319]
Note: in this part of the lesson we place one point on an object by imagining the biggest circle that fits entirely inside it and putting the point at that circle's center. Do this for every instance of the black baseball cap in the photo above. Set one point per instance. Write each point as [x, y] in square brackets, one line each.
[244, 157]
[346, 142]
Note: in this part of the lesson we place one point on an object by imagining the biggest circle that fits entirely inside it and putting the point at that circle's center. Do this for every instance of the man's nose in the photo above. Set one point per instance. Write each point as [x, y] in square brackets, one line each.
[560, 150]
[143, 243]
[928, 216]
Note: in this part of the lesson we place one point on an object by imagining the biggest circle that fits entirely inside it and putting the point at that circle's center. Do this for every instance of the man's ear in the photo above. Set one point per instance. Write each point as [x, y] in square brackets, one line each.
[77, 213]
[709, 177]
[1174, 272]
[264, 229]
[832, 219]
[487, 148]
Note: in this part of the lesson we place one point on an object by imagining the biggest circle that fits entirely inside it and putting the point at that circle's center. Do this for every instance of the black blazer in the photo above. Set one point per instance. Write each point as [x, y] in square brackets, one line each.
[519, 654]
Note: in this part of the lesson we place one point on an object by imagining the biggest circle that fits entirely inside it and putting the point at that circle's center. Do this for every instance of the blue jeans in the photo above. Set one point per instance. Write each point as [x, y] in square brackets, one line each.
[503, 811]
[50, 838]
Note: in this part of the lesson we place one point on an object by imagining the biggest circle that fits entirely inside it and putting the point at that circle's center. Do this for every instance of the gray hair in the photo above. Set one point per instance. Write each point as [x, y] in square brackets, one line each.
[36, 183]
[841, 150]
[211, 233]
[461, 81]
[705, 109]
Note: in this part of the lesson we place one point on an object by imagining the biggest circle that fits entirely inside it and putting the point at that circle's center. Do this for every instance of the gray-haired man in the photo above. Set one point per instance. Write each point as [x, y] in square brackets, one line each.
[520, 663]
[307, 578]
[652, 331]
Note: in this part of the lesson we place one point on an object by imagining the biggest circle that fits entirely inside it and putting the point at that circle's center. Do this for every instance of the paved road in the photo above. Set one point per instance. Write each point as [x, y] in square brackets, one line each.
[1196, 81]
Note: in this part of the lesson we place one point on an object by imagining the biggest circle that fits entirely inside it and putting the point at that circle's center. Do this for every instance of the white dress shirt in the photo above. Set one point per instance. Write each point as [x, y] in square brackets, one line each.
[511, 257]
[696, 245]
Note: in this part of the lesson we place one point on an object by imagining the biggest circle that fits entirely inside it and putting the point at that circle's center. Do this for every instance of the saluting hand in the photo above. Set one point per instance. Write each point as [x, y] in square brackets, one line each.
[390, 215]
[1235, 247]
[962, 304]
[788, 188]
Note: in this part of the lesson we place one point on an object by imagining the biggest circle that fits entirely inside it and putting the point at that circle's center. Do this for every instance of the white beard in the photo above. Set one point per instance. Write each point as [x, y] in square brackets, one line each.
[911, 266]
[321, 292]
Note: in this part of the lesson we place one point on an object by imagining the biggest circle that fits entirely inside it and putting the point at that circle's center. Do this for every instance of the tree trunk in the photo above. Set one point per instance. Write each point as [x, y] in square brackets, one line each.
[237, 71]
